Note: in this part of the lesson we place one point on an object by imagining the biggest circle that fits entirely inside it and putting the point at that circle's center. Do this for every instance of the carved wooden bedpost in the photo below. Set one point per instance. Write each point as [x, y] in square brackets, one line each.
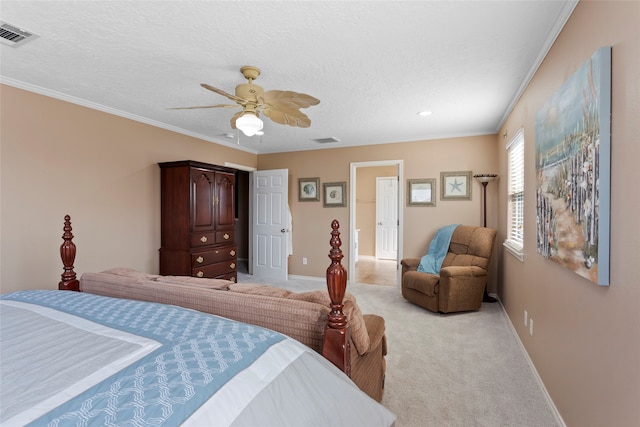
[337, 337]
[68, 255]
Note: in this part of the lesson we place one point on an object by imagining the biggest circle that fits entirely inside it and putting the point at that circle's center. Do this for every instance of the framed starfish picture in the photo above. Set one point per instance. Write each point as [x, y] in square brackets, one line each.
[455, 185]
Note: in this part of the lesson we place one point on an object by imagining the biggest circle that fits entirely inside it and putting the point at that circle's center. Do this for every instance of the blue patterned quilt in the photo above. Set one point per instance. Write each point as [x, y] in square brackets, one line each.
[197, 354]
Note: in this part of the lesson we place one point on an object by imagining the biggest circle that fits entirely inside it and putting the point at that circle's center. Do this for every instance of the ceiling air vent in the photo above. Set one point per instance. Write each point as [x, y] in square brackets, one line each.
[326, 140]
[14, 36]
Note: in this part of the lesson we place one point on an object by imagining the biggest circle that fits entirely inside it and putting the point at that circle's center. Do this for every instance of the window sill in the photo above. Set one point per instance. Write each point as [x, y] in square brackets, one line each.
[513, 250]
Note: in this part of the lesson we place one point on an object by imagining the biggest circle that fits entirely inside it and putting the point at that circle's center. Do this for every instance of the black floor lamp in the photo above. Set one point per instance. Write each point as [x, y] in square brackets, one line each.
[484, 179]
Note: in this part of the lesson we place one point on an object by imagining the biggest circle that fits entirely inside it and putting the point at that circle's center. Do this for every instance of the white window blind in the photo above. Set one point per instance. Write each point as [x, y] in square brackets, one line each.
[515, 214]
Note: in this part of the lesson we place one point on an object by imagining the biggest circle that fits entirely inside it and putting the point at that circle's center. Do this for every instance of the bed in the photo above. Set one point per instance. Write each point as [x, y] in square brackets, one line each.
[141, 363]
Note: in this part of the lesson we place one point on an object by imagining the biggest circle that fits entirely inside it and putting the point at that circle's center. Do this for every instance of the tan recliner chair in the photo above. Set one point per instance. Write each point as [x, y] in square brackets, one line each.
[462, 280]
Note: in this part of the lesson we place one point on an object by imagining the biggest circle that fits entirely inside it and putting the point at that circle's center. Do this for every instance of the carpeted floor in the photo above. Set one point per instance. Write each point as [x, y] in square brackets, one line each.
[448, 370]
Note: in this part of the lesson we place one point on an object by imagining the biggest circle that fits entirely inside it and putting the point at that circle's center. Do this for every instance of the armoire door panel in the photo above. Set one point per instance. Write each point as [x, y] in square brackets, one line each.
[203, 187]
[225, 202]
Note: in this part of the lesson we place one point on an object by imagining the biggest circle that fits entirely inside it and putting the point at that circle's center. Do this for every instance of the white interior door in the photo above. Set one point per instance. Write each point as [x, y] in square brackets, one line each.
[387, 217]
[270, 228]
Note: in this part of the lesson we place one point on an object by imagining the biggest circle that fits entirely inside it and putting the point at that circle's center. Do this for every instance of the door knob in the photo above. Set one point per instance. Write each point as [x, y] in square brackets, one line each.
[284, 230]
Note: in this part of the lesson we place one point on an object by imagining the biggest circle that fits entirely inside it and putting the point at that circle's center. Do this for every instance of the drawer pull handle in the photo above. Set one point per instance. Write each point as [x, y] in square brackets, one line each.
[232, 265]
[226, 236]
[200, 274]
[232, 253]
[203, 239]
[199, 259]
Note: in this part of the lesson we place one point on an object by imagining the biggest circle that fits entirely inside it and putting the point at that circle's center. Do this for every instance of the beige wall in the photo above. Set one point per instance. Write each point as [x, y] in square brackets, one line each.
[421, 159]
[59, 158]
[586, 342]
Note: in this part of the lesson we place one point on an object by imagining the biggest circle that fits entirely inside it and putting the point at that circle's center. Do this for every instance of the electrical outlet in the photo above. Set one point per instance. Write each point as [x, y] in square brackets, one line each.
[526, 318]
[531, 327]
[304, 261]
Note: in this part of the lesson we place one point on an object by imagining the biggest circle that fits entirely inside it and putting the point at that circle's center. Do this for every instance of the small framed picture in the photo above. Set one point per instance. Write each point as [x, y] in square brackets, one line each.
[421, 192]
[335, 194]
[455, 185]
[308, 189]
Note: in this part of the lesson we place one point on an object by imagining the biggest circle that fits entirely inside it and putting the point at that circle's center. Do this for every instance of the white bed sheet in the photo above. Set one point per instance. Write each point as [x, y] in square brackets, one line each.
[39, 369]
[306, 390]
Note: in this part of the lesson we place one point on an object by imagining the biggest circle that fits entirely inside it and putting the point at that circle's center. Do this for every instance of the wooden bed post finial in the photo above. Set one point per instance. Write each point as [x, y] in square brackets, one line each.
[337, 337]
[68, 255]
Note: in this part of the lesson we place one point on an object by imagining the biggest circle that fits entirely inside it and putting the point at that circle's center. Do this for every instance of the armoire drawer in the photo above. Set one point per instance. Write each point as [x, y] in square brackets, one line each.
[203, 239]
[212, 238]
[212, 256]
[225, 236]
[215, 270]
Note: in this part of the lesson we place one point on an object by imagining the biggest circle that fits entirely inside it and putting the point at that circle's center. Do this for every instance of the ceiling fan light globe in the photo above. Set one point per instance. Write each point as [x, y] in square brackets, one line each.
[249, 124]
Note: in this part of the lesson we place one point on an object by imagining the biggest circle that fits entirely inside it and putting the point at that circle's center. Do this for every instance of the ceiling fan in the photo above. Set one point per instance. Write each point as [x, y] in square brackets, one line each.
[280, 106]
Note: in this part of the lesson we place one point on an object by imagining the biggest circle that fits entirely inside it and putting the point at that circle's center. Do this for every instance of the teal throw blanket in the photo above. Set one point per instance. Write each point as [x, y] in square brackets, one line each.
[432, 261]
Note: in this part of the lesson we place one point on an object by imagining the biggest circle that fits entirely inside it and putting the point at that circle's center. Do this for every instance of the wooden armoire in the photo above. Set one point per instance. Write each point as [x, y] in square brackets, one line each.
[197, 220]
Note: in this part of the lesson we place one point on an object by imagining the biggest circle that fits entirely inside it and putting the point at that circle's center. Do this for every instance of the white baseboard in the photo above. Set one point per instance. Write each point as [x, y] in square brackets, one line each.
[315, 279]
[545, 392]
[319, 279]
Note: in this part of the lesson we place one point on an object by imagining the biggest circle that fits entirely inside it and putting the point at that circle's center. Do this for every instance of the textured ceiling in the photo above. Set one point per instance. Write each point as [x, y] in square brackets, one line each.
[372, 64]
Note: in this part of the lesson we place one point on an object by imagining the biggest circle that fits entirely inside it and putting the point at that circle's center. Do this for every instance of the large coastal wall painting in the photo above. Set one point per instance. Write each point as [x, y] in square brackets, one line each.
[573, 153]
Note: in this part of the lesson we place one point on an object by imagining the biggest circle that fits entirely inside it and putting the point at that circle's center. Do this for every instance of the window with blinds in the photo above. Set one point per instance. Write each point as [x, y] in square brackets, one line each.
[515, 215]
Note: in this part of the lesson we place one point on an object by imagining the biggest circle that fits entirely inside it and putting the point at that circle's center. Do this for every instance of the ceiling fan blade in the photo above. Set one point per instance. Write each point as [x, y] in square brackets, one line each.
[205, 106]
[293, 117]
[286, 100]
[239, 100]
[284, 107]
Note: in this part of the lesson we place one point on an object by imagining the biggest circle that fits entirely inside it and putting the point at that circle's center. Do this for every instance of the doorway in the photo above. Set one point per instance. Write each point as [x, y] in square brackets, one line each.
[242, 207]
[242, 218]
[376, 221]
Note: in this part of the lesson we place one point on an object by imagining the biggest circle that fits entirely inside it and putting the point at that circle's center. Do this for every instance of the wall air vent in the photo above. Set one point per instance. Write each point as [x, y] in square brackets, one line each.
[326, 140]
[14, 36]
